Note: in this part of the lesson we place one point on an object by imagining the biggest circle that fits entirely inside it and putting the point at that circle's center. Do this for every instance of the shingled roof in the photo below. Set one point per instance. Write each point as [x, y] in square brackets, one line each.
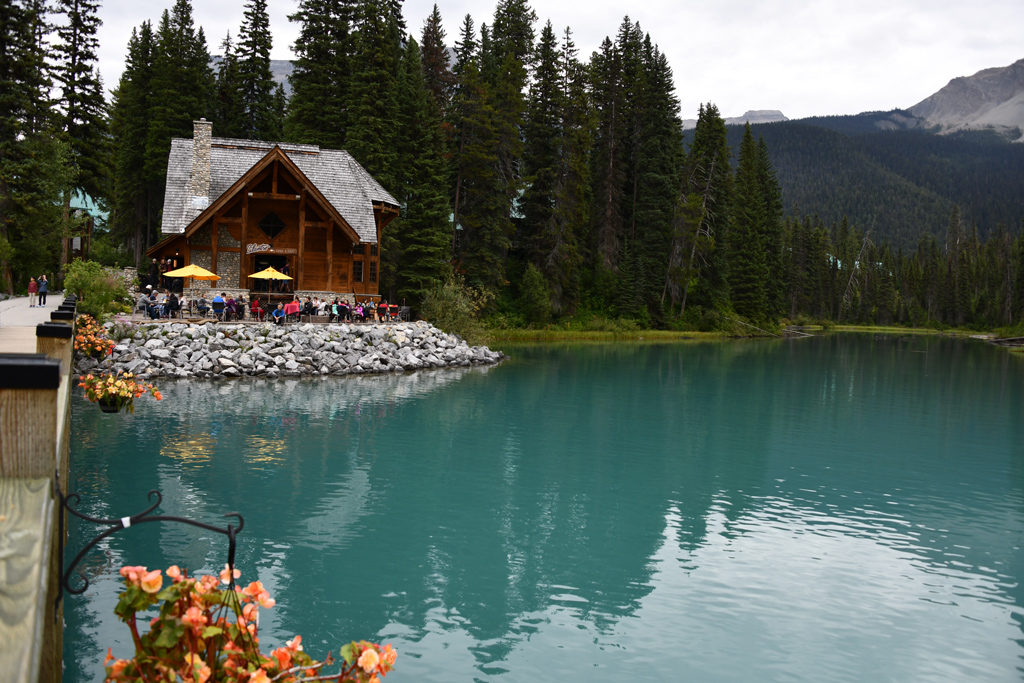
[343, 182]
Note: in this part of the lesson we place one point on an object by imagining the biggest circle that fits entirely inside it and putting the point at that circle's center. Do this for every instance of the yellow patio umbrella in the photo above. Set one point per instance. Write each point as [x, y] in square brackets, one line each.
[271, 273]
[193, 271]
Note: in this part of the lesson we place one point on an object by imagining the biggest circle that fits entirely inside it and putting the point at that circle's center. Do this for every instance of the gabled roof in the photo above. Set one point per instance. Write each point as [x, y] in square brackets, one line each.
[340, 179]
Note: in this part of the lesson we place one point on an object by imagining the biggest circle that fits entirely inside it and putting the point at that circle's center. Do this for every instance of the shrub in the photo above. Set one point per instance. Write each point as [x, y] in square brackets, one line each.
[454, 307]
[100, 290]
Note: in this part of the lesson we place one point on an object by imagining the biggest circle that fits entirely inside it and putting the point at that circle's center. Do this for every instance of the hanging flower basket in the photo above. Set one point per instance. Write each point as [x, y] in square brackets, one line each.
[114, 393]
[111, 404]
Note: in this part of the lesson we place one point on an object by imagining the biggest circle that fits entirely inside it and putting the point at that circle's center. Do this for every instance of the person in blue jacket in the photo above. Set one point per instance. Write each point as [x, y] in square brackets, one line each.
[43, 287]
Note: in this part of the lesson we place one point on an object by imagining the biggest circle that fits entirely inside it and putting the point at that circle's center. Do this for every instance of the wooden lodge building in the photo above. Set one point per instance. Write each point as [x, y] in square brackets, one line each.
[236, 207]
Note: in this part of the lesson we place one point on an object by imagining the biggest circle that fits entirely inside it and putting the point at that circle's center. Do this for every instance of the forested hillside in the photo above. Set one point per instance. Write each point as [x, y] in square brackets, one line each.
[897, 182]
[553, 186]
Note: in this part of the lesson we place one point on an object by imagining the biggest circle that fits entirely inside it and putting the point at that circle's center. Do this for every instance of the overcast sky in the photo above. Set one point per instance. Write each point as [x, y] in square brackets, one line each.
[802, 57]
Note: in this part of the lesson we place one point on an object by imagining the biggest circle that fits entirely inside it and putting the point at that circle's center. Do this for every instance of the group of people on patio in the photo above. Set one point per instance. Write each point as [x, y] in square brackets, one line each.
[167, 304]
[338, 310]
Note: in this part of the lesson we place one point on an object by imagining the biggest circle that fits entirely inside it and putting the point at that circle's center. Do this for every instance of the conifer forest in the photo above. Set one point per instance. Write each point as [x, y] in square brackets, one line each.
[557, 186]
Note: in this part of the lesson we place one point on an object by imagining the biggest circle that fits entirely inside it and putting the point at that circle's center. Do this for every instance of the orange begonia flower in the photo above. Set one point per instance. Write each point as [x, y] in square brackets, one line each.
[152, 581]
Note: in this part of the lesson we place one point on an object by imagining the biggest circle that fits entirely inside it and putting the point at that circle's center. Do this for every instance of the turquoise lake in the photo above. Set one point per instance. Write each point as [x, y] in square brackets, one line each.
[839, 508]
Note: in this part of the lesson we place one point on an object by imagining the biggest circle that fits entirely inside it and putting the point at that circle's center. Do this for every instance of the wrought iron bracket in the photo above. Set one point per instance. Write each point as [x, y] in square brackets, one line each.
[115, 525]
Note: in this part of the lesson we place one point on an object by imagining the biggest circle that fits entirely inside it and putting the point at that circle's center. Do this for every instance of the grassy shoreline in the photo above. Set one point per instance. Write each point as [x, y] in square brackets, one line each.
[496, 336]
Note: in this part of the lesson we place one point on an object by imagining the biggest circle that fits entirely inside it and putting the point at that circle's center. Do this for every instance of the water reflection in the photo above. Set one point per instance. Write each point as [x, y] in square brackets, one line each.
[833, 509]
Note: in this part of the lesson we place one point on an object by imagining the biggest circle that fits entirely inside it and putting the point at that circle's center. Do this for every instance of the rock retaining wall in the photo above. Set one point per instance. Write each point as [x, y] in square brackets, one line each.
[213, 350]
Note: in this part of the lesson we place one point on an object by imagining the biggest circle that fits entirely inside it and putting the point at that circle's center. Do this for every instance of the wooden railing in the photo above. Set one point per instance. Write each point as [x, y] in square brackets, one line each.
[35, 393]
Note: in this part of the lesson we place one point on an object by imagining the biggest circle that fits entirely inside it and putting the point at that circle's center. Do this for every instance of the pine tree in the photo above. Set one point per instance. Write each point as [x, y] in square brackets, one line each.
[34, 159]
[771, 195]
[181, 92]
[748, 268]
[229, 109]
[542, 134]
[416, 246]
[608, 167]
[373, 129]
[322, 89]
[133, 197]
[708, 190]
[82, 106]
[656, 173]
[440, 81]
[256, 87]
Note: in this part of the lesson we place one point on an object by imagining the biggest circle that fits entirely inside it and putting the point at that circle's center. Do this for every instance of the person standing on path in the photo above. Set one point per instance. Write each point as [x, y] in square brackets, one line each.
[43, 286]
[33, 287]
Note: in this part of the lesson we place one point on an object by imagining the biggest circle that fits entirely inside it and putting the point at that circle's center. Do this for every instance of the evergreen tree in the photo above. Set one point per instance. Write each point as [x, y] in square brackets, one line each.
[262, 116]
[322, 87]
[133, 195]
[708, 190]
[748, 268]
[82, 106]
[771, 195]
[542, 133]
[182, 86]
[440, 81]
[656, 173]
[34, 158]
[608, 167]
[229, 109]
[373, 133]
[416, 246]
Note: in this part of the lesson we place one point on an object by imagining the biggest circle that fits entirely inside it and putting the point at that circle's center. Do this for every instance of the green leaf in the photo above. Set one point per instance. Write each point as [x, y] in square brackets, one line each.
[170, 634]
[211, 631]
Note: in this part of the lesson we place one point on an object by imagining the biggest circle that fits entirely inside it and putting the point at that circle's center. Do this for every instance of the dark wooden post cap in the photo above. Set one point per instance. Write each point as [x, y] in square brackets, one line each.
[54, 330]
[28, 371]
[62, 315]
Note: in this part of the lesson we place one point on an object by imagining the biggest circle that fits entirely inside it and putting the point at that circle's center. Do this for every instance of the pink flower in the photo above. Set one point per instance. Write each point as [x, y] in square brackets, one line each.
[152, 581]
[133, 573]
[259, 676]
[295, 644]
[174, 572]
[369, 660]
[227, 573]
[194, 617]
[389, 655]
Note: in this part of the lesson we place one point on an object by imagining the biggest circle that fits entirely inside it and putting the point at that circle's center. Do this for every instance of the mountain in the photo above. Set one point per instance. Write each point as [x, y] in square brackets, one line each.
[752, 117]
[900, 173]
[280, 69]
[990, 99]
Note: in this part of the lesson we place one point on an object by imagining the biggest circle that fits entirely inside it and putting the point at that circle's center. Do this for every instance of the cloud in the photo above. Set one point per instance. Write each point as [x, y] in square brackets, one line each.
[805, 58]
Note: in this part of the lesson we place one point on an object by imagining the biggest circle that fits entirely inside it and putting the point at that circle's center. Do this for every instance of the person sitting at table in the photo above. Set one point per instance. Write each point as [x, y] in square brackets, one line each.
[307, 307]
[230, 308]
[344, 311]
[142, 303]
[171, 305]
[202, 306]
[279, 314]
[255, 310]
[292, 308]
[217, 304]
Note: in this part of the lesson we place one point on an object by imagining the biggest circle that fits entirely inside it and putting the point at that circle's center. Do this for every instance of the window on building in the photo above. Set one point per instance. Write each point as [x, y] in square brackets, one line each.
[373, 271]
[357, 271]
[373, 250]
[359, 249]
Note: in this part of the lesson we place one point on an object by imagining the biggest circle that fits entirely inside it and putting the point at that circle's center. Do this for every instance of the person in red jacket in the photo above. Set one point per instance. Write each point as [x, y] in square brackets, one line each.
[33, 287]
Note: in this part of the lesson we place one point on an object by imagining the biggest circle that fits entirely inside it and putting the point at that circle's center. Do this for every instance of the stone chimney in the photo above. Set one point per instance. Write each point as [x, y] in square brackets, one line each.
[199, 180]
